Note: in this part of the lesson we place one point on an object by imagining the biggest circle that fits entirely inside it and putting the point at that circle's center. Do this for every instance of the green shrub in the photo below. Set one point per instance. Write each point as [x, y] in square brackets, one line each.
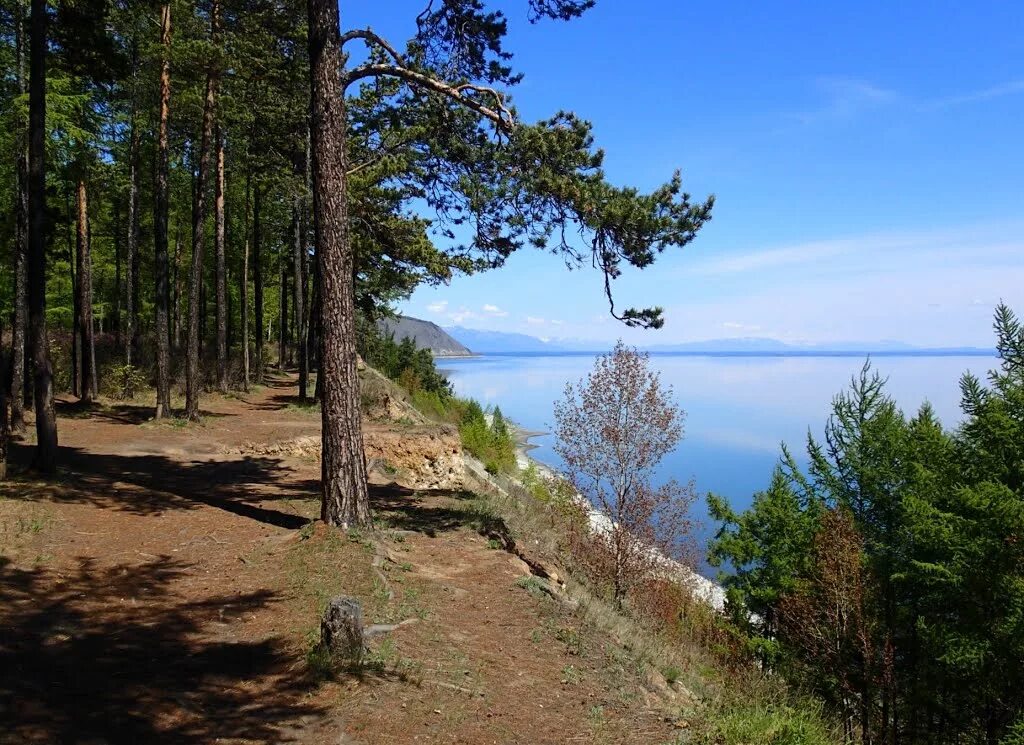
[122, 381]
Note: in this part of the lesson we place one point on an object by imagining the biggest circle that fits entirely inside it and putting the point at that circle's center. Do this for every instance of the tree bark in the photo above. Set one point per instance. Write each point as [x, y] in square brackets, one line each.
[344, 496]
[257, 272]
[45, 459]
[160, 220]
[83, 268]
[17, 420]
[222, 281]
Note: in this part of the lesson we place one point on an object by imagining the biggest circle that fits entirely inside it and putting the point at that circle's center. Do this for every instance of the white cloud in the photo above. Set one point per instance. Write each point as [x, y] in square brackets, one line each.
[984, 94]
[930, 288]
[874, 250]
[845, 97]
[534, 321]
[556, 322]
[494, 310]
[461, 315]
[438, 306]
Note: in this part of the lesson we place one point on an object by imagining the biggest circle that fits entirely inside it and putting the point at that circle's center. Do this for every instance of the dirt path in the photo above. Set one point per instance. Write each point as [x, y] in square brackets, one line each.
[164, 590]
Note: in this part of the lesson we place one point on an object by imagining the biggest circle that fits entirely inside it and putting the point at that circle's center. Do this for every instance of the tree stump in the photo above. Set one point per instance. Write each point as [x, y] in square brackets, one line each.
[341, 629]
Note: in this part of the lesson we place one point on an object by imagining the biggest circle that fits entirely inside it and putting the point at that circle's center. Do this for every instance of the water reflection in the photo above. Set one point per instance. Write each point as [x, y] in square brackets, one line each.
[739, 409]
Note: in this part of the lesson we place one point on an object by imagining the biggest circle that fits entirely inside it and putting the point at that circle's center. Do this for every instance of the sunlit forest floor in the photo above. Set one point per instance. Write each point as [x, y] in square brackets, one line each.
[167, 588]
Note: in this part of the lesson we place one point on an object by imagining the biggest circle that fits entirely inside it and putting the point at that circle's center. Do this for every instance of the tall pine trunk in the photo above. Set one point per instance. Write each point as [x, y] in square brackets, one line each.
[17, 420]
[83, 268]
[45, 459]
[222, 269]
[257, 277]
[160, 220]
[345, 500]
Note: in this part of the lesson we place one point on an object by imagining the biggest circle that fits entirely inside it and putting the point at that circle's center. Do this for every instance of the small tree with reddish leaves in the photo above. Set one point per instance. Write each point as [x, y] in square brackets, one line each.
[829, 625]
[613, 429]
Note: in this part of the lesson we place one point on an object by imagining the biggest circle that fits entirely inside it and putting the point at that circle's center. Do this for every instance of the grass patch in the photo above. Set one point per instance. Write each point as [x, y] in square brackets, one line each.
[769, 721]
[309, 406]
[572, 675]
[532, 585]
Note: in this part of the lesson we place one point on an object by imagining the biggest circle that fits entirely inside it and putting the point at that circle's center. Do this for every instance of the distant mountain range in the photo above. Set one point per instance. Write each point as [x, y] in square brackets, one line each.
[499, 342]
[458, 341]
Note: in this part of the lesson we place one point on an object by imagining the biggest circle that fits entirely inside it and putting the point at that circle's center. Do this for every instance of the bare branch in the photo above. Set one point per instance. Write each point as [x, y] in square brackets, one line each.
[372, 39]
[500, 114]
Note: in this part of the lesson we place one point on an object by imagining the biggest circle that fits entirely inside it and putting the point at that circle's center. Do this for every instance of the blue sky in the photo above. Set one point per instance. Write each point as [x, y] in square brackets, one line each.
[867, 160]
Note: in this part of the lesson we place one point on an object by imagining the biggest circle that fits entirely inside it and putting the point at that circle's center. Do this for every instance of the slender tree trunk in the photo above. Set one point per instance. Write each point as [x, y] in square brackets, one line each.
[45, 459]
[178, 279]
[115, 322]
[316, 338]
[300, 297]
[222, 268]
[203, 308]
[192, 371]
[345, 500]
[5, 433]
[292, 336]
[230, 302]
[17, 421]
[86, 381]
[245, 289]
[282, 325]
[257, 272]
[76, 299]
[131, 343]
[160, 220]
[91, 346]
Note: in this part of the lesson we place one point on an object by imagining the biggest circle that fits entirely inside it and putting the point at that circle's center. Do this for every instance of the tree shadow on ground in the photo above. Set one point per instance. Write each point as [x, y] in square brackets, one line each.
[121, 413]
[430, 511]
[114, 654]
[170, 484]
[286, 397]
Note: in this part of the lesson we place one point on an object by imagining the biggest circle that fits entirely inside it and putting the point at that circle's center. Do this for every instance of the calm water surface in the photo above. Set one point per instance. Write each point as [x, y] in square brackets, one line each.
[738, 409]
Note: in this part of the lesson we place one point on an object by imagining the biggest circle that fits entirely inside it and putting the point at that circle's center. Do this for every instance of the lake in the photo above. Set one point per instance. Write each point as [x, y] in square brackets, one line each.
[738, 408]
